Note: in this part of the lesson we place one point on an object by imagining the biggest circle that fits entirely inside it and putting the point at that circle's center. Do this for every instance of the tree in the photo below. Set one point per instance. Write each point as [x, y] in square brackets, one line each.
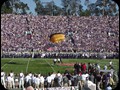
[14, 7]
[103, 7]
[47, 8]
[72, 7]
[39, 9]
[6, 8]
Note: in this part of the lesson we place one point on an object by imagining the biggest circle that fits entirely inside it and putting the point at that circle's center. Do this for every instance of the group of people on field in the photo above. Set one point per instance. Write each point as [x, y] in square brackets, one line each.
[84, 77]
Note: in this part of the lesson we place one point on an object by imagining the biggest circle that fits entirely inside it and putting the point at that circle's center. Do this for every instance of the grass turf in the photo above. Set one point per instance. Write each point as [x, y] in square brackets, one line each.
[43, 65]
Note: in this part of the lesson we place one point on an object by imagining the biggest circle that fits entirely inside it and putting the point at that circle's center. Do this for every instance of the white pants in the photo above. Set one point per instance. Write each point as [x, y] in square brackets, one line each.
[21, 83]
[13, 83]
[3, 81]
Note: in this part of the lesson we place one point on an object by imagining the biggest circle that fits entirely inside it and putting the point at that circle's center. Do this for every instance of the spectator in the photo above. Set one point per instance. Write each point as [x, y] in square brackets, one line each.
[98, 81]
[108, 87]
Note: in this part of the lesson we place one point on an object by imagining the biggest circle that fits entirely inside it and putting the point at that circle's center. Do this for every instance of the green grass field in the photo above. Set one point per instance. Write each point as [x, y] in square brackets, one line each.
[43, 66]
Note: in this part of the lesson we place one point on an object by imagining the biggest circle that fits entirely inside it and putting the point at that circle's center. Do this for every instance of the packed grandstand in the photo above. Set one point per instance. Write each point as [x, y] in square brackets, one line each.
[25, 33]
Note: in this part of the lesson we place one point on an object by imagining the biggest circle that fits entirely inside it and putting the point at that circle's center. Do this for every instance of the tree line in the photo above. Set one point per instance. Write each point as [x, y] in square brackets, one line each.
[68, 7]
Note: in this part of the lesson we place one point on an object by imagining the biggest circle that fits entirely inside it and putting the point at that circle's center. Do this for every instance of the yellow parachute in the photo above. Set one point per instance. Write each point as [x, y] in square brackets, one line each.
[57, 37]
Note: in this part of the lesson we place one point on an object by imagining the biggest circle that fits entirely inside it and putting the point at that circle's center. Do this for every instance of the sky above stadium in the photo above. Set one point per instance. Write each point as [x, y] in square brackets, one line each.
[32, 5]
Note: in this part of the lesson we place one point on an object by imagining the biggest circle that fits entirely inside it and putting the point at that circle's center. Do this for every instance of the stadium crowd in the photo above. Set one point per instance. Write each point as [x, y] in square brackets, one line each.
[84, 77]
[22, 33]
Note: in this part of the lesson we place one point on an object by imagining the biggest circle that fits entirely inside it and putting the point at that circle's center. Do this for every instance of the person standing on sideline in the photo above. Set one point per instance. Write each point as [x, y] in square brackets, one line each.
[12, 78]
[49, 80]
[3, 78]
[37, 82]
[21, 80]
[42, 81]
[9, 82]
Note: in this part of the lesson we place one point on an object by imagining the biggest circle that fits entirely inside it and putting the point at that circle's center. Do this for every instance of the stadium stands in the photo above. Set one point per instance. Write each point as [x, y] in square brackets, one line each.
[92, 34]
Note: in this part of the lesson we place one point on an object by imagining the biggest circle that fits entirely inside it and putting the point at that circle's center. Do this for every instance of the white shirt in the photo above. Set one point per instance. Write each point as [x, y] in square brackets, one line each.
[110, 63]
[43, 55]
[55, 60]
[109, 88]
[42, 79]
[58, 59]
[9, 79]
[87, 75]
[105, 67]
[98, 67]
[33, 79]
[59, 74]
[27, 78]
[21, 76]
[49, 79]
[2, 74]
[30, 74]
[12, 75]
[37, 80]
[53, 76]
[83, 77]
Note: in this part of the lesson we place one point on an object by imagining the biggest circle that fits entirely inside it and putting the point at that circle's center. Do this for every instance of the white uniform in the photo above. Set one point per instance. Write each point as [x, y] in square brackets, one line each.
[12, 78]
[3, 78]
[43, 55]
[105, 67]
[84, 77]
[55, 60]
[49, 79]
[27, 78]
[21, 82]
[53, 76]
[37, 82]
[9, 82]
[42, 79]
[58, 60]
[33, 79]
[110, 62]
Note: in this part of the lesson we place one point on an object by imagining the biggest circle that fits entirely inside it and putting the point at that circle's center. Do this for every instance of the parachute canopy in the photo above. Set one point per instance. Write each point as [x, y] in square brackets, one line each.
[57, 37]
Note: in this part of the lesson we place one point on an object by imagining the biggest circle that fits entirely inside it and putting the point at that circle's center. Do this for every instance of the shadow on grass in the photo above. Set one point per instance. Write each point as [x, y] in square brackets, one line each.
[15, 63]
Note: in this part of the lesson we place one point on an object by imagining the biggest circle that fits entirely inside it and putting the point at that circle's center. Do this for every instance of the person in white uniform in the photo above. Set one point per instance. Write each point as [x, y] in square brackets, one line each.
[9, 82]
[42, 82]
[54, 61]
[21, 80]
[49, 79]
[27, 78]
[37, 82]
[12, 78]
[3, 78]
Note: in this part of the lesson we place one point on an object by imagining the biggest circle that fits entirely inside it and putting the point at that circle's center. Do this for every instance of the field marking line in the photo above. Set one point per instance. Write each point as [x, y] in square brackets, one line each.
[6, 64]
[27, 64]
[51, 66]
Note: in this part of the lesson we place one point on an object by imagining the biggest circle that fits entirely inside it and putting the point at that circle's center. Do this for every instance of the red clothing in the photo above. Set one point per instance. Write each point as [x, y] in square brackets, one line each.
[84, 67]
